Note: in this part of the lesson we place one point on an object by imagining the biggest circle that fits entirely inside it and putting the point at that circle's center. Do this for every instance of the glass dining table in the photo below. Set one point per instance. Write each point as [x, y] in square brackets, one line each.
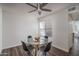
[36, 47]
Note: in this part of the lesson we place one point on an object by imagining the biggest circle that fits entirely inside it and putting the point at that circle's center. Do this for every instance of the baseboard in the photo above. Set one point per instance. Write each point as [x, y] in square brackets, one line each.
[11, 46]
[66, 50]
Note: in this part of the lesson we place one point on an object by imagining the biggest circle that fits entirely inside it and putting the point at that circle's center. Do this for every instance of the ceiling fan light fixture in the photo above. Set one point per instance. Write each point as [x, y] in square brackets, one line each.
[39, 7]
[39, 12]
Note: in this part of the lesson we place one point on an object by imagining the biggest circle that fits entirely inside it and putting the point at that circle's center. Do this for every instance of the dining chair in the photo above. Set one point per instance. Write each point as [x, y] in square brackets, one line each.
[46, 39]
[25, 48]
[47, 48]
[29, 39]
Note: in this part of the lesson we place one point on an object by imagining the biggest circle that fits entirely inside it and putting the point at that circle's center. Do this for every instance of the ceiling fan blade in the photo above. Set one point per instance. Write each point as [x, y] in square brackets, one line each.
[32, 5]
[32, 11]
[46, 10]
[43, 4]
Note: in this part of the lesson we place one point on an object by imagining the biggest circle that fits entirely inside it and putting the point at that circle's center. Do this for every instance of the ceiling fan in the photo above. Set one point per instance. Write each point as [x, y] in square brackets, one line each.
[39, 7]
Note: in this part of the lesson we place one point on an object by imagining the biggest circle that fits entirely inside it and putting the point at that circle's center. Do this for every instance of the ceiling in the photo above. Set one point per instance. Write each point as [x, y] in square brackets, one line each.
[52, 6]
[26, 8]
[75, 13]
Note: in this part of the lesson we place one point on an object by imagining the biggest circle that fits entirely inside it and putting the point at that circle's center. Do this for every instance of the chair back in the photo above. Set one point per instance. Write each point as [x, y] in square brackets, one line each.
[29, 36]
[29, 39]
[47, 48]
[24, 46]
[46, 39]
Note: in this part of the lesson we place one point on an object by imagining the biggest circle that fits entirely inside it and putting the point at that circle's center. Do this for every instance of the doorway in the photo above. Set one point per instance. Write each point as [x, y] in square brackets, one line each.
[75, 24]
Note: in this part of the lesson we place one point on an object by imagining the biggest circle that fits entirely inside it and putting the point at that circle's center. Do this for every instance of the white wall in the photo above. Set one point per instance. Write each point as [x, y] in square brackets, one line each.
[0, 28]
[60, 29]
[17, 24]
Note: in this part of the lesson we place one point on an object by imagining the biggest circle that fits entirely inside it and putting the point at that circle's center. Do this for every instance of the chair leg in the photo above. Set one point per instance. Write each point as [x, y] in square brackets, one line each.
[28, 53]
[44, 53]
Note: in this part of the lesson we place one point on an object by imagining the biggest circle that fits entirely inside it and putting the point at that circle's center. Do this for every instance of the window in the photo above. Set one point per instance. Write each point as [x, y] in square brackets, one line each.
[42, 28]
[45, 29]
